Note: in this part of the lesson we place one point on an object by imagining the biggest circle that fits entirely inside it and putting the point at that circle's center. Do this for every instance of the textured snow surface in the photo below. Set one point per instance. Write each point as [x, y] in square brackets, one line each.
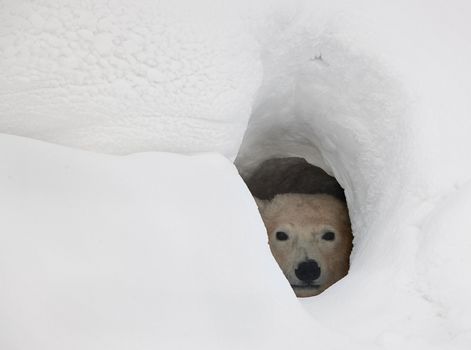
[121, 76]
[160, 250]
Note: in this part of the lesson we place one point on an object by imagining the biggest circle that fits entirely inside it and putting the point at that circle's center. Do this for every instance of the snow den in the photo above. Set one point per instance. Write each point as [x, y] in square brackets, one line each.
[339, 110]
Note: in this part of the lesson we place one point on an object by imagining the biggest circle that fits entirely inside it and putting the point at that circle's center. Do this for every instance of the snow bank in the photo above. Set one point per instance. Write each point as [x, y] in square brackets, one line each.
[145, 251]
[121, 77]
[376, 93]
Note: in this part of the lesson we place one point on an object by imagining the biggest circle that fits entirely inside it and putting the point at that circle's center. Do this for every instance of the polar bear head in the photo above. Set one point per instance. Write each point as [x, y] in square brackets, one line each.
[310, 237]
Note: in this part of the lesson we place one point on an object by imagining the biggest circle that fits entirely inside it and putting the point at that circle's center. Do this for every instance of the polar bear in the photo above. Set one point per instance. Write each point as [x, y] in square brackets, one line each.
[310, 237]
[305, 213]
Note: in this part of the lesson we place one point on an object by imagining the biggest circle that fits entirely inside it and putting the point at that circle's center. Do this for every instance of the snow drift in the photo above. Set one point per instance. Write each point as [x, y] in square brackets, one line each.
[145, 251]
[376, 93]
[117, 77]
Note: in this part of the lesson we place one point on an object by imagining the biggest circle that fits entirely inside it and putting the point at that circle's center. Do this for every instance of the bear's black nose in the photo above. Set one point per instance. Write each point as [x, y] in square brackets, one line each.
[308, 271]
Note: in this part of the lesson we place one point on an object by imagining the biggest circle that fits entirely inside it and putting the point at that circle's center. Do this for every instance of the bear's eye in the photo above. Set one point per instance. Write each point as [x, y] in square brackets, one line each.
[328, 236]
[281, 236]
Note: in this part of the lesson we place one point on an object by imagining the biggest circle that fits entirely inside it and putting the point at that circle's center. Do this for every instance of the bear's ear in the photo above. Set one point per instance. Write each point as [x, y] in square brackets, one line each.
[261, 204]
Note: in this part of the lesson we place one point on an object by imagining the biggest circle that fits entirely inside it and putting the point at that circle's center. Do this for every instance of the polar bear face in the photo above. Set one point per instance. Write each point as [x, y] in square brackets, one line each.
[310, 237]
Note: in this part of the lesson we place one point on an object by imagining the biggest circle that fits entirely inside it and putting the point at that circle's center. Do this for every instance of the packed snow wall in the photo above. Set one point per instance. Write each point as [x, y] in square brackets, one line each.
[364, 93]
[120, 77]
[375, 93]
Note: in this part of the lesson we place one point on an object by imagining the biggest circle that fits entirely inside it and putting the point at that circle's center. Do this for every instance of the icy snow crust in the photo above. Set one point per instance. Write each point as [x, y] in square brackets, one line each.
[120, 76]
[94, 247]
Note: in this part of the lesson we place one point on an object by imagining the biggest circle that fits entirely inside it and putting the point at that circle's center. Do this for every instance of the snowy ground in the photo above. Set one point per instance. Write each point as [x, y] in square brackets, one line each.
[144, 251]
[167, 250]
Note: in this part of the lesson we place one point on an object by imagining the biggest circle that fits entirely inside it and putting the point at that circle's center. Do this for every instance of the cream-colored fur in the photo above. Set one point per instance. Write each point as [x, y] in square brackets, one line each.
[305, 219]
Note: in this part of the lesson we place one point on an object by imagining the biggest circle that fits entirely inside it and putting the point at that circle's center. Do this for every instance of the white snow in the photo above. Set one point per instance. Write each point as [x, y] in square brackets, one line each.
[386, 112]
[144, 251]
[120, 77]
[94, 246]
